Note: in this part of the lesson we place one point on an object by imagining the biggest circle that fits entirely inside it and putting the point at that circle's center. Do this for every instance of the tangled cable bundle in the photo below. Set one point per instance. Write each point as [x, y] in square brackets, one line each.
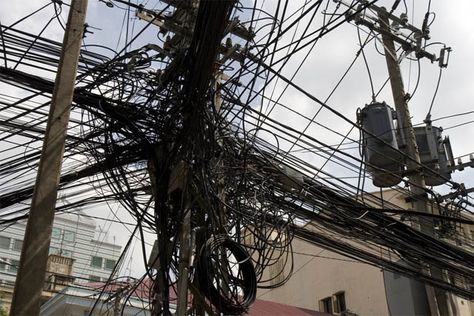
[226, 275]
[250, 182]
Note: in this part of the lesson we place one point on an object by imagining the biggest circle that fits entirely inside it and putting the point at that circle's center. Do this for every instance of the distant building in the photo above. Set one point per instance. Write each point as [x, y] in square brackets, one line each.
[79, 300]
[79, 253]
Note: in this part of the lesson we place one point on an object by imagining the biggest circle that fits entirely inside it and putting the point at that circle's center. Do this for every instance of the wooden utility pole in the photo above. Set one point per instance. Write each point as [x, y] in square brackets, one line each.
[417, 181]
[34, 254]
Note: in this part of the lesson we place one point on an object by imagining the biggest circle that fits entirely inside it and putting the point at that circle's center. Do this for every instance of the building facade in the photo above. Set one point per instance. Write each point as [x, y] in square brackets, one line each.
[331, 283]
[74, 236]
[335, 284]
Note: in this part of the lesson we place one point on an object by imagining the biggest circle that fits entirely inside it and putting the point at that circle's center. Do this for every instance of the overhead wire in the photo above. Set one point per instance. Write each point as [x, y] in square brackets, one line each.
[122, 111]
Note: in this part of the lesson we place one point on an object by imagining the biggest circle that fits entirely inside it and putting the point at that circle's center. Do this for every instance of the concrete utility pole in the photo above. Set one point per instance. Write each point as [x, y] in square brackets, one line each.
[417, 181]
[34, 254]
[212, 28]
[184, 261]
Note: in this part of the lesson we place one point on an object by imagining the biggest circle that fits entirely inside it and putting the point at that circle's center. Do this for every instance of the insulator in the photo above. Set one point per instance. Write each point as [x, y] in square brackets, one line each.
[404, 18]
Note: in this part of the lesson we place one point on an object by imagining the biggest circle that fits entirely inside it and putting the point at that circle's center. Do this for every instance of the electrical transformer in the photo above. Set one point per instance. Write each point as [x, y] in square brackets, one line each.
[435, 154]
[380, 144]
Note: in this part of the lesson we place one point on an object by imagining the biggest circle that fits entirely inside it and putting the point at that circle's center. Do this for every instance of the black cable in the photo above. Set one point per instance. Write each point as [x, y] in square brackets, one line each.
[428, 115]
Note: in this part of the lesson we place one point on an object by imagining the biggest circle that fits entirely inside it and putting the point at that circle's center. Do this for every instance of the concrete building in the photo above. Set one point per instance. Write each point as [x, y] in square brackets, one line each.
[79, 253]
[332, 283]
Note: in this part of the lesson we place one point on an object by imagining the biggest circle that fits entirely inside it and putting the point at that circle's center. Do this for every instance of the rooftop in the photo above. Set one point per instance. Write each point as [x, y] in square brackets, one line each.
[143, 289]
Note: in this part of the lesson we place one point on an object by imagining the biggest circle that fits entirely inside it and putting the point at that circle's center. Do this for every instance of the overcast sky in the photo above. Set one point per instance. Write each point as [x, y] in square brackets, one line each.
[453, 26]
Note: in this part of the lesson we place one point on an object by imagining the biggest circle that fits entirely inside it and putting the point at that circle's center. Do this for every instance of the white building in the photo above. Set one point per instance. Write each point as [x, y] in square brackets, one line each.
[74, 236]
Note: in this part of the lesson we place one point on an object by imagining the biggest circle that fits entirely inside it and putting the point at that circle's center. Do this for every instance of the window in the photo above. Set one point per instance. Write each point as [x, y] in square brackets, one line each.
[96, 262]
[17, 244]
[53, 250]
[4, 242]
[94, 278]
[14, 265]
[339, 302]
[3, 264]
[109, 264]
[325, 305]
[66, 253]
[56, 233]
[60, 252]
[69, 236]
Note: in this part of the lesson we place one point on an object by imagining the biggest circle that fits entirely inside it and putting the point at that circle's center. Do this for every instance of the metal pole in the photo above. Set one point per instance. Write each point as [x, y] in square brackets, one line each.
[34, 255]
[417, 181]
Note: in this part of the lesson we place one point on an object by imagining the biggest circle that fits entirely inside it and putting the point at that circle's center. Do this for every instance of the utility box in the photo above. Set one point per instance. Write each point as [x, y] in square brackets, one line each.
[435, 154]
[380, 144]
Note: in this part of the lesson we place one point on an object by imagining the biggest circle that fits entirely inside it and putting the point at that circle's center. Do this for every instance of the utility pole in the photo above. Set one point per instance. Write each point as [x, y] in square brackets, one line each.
[179, 181]
[182, 28]
[31, 273]
[184, 260]
[417, 181]
[181, 25]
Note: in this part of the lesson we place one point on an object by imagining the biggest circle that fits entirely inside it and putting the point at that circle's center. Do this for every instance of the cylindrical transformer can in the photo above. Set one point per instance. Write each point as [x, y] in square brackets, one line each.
[433, 156]
[384, 161]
